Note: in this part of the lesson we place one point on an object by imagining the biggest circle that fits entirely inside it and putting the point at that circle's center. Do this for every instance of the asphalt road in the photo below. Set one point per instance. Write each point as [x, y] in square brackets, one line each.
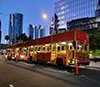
[20, 74]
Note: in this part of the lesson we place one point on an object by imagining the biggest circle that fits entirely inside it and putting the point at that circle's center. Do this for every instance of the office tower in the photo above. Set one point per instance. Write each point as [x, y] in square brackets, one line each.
[31, 31]
[97, 12]
[68, 10]
[15, 26]
[36, 32]
[42, 32]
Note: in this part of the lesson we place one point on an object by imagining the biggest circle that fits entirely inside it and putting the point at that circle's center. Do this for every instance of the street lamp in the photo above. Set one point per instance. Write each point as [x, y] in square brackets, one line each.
[44, 16]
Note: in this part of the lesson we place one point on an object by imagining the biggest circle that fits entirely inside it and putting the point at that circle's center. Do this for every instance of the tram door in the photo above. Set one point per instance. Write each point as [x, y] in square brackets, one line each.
[70, 54]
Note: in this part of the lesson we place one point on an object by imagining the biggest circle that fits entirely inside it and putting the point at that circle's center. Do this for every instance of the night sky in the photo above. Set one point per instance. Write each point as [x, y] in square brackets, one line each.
[32, 11]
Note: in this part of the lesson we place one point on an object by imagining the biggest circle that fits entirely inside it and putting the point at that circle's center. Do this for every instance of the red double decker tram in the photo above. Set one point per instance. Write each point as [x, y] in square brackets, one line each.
[60, 49]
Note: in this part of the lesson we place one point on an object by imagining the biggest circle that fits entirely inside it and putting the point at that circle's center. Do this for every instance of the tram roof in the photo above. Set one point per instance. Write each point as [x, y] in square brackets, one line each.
[65, 36]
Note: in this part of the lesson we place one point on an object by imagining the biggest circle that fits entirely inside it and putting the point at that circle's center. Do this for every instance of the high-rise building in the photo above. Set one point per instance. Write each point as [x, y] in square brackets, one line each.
[42, 32]
[68, 10]
[15, 26]
[36, 32]
[31, 31]
[0, 31]
[97, 12]
[88, 25]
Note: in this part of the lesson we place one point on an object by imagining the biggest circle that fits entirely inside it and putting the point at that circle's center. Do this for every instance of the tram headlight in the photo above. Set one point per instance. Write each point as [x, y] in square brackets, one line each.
[22, 56]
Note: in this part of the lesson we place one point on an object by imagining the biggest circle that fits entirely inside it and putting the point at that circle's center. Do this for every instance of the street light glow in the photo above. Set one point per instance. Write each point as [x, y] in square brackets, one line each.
[44, 16]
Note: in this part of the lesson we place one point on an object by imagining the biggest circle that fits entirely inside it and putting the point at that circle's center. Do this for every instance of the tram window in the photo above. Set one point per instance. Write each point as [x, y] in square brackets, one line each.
[48, 48]
[82, 48]
[39, 48]
[25, 49]
[35, 48]
[31, 49]
[63, 48]
[58, 48]
[20, 48]
[8, 50]
[70, 47]
[43, 49]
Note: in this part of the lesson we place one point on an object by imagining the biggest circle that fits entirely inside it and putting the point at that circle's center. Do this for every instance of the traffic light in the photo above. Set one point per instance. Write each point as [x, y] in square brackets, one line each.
[56, 21]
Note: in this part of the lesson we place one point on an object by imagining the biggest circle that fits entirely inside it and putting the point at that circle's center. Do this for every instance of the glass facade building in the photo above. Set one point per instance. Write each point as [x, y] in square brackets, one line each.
[68, 10]
[42, 32]
[36, 32]
[97, 13]
[31, 31]
[15, 26]
[89, 25]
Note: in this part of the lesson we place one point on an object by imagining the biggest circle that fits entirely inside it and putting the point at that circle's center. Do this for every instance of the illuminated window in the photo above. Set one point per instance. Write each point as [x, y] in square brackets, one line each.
[44, 49]
[62, 7]
[58, 48]
[63, 48]
[35, 48]
[39, 48]
[62, 17]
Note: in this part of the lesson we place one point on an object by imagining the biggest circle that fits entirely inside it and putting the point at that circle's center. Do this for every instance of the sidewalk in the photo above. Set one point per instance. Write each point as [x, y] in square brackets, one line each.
[94, 65]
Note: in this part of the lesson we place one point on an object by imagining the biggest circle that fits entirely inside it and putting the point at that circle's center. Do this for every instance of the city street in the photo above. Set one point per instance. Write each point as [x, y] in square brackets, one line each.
[50, 43]
[21, 74]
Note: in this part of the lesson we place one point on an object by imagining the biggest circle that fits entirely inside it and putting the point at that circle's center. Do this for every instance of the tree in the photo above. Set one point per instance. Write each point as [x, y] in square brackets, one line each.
[29, 38]
[22, 37]
[95, 41]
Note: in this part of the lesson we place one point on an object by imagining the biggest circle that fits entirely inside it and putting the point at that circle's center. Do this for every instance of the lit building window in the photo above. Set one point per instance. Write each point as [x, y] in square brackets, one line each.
[63, 7]
[73, 9]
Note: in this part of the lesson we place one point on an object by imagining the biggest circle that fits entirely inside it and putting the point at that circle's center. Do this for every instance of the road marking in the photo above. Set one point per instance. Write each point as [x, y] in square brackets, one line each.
[90, 79]
[11, 85]
[93, 68]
